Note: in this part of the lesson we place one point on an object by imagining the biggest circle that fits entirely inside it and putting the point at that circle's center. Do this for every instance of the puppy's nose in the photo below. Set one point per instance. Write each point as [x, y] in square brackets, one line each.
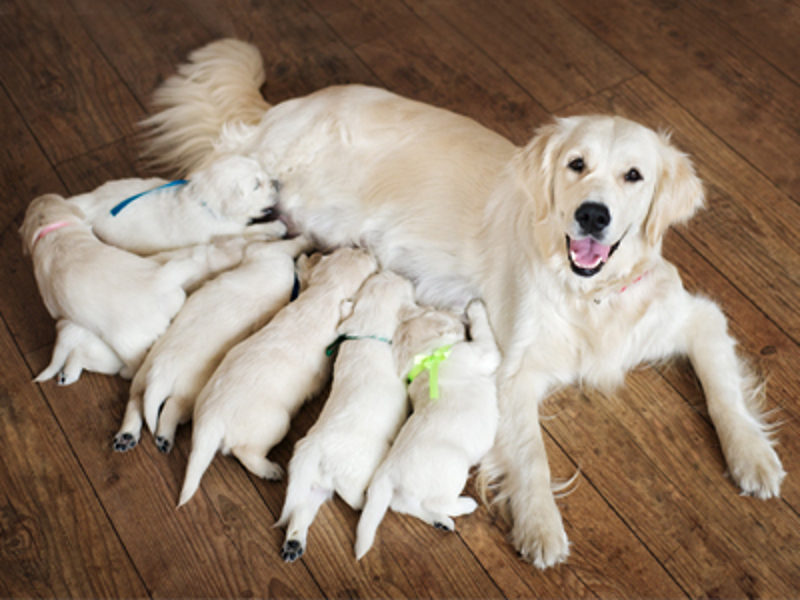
[592, 217]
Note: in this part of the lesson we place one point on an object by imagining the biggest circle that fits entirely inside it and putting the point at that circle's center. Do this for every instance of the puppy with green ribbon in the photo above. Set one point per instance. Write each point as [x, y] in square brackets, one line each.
[451, 384]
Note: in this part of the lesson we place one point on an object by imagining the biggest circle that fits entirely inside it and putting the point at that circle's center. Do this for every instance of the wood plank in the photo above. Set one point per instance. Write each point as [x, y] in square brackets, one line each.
[56, 539]
[723, 83]
[52, 69]
[769, 28]
[422, 60]
[553, 57]
[748, 235]
[656, 462]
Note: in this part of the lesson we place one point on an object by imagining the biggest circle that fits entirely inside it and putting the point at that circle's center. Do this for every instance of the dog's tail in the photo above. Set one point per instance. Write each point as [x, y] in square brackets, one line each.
[379, 497]
[206, 441]
[219, 84]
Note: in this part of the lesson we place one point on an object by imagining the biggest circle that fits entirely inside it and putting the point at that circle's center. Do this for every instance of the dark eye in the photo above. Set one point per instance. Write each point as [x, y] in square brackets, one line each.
[633, 175]
[577, 165]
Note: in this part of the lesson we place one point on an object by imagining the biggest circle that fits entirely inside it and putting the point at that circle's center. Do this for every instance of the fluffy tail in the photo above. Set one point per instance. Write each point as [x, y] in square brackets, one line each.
[379, 497]
[206, 440]
[219, 84]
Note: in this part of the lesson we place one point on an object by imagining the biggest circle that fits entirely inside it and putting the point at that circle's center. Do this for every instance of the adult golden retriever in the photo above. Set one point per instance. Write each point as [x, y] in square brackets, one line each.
[561, 238]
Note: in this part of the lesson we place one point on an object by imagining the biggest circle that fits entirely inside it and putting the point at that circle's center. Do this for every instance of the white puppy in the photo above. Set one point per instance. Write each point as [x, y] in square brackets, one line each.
[78, 349]
[125, 300]
[215, 318]
[366, 406]
[549, 235]
[247, 405]
[146, 216]
[450, 430]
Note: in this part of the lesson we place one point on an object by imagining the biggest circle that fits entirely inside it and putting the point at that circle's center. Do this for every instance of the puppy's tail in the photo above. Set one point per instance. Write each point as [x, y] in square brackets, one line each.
[206, 440]
[379, 497]
[219, 84]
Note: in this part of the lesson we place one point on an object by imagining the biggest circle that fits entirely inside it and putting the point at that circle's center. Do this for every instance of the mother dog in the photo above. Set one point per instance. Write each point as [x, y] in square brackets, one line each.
[561, 238]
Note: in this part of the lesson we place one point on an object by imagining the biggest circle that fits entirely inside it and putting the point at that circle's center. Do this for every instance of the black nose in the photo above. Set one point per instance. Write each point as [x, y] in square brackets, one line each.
[593, 217]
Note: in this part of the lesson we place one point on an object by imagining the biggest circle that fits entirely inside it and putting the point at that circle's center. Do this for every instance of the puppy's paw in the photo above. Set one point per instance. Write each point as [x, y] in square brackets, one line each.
[273, 472]
[124, 442]
[442, 526]
[757, 470]
[163, 444]
[292, 550]
[541, 541]
[64, 378]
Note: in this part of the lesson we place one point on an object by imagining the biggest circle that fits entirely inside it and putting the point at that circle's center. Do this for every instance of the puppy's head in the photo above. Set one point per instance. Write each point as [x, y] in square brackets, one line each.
[426, 330]
[604, 191]
[44, 212]
[236, 188]
[381, 303]
[346, 268]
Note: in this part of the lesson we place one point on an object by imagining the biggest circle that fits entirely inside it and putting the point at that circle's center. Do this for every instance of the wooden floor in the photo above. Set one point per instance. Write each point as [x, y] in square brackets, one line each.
[653, 514]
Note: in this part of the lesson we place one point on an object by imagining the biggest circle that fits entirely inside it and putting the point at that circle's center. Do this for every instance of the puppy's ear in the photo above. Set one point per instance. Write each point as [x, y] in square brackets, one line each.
[535, 165]
[346, 309]
[409, 311]
[679, 192]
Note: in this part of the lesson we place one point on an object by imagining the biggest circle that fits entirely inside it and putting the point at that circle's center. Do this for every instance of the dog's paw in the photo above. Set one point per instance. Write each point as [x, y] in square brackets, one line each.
[542, 542]
[124, 442]
[758, 471]
[163, 444]
[63, 378]
[442, 526]
[292, 550]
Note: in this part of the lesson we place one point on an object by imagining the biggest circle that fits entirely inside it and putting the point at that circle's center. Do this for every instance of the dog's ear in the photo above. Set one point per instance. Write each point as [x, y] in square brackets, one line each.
[346, 309]
[679, 192]
[409, 311]
[535, 165]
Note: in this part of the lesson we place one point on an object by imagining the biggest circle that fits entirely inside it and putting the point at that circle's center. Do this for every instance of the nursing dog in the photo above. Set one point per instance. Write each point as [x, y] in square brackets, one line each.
[125, 300]
[228, 197]
[451, 428]
[365, 408]
[561, 238]
[222, 313]
[247, 405]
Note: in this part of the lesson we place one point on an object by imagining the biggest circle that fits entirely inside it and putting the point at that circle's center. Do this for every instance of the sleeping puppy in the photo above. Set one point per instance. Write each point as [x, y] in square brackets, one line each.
[450, 430]
[229, 197]
[125, 300]
[223, 312]
[246, 406]
[561, 238]
[78, 349]
[366, 406]
[214, 319]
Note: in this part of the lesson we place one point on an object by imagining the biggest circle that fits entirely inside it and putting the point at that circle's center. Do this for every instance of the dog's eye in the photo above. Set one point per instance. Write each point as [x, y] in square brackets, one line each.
[577, 165]
[633, 175]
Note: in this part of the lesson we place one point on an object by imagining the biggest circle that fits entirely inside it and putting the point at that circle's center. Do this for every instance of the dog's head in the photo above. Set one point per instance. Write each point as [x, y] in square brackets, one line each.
[44, 212]
[603, 191]
[381, 303]
[235, 188]
[346, 268]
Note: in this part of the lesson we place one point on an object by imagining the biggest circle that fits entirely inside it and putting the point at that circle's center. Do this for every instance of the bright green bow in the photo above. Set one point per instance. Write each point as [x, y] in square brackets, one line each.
[430, 362]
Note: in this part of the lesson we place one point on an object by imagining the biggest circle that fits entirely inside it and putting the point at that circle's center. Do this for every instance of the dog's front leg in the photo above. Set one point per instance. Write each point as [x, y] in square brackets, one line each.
[732, 404]
[520, 458]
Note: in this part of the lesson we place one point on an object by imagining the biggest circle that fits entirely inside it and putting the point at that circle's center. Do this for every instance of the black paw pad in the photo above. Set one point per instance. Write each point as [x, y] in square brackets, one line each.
[441, 526]
[163, 444]
[124, 442]
[292, 550]
[61, 378]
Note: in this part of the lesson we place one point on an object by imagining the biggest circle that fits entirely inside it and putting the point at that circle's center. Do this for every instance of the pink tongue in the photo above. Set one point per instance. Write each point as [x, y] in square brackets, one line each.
[586, 252]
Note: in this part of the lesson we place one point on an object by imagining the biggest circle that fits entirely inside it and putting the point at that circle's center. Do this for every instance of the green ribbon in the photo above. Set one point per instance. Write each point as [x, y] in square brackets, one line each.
[345, 337]
[430, 362]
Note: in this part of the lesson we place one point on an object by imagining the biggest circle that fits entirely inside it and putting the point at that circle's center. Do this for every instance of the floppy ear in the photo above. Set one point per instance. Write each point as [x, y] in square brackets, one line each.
[679, 192]
[535, 165]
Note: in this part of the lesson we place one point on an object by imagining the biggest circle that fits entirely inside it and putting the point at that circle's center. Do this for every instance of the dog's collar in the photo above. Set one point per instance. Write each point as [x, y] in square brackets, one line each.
[347, 337]
[118, 208]
[50, 228]
[624, 288]
[430, 362]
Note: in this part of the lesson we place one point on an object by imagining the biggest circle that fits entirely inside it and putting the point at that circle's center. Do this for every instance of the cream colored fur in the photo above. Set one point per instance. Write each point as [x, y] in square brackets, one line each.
[425, 470]
[222, 313]
[219, 200]
[463, 212]
[246, 406]
[365, 408]
[78, 349]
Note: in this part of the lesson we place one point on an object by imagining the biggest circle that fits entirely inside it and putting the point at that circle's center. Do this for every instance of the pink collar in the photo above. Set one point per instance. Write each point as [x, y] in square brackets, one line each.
[50, 228]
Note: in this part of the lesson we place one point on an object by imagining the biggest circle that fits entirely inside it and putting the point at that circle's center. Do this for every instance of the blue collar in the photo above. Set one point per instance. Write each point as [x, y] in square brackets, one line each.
[118, 208]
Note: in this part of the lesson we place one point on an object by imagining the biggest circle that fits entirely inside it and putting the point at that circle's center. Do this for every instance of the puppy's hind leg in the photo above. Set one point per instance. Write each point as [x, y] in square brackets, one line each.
[131, 429]
[302, 517]
[177, 411]
[253, 457]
